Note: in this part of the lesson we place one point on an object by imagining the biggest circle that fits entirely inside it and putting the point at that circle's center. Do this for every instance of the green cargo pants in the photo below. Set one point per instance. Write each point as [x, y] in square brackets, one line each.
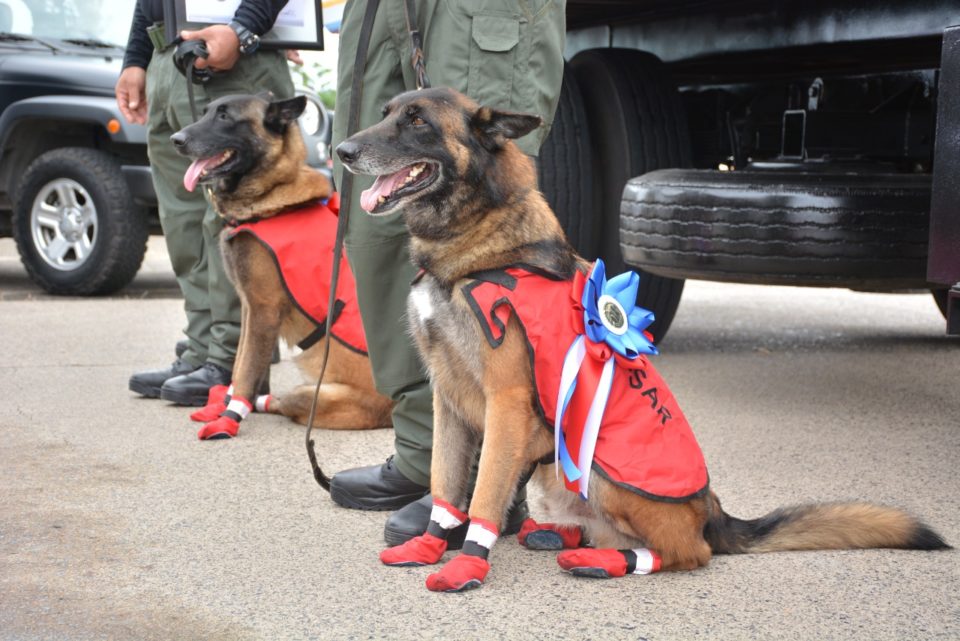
[190, 226]
[502, 53]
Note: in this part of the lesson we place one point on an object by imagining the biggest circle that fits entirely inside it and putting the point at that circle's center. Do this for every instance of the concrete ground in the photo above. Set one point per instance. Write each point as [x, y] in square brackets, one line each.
[117, 523]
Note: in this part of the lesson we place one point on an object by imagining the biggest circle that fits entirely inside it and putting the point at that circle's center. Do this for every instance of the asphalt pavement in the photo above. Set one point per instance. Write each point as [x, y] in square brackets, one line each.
[117, 523]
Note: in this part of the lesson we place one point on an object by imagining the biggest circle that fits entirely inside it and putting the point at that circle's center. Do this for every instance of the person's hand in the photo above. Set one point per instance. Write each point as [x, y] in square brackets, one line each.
[131, 92]
[294, 56]
[222, 43]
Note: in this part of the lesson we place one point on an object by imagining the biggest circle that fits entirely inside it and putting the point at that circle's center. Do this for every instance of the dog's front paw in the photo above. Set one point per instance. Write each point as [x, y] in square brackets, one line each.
[462, 572]
[223, 427]
[209, 412]
[548, 536]
[425, 549]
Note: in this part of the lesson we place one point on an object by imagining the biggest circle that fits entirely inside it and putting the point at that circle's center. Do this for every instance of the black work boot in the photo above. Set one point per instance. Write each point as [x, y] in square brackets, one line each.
[193, 388]
[150, 382]
[376, 487]
[413, 519]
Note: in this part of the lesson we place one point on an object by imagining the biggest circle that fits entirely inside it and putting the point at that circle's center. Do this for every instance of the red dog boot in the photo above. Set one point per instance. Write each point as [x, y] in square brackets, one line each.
[223, 427]
[217, 399]
[549, 536]
[429, 547]
[228, 424]
[462, 572]
[608, 563]
[425, 549]
[469, 569]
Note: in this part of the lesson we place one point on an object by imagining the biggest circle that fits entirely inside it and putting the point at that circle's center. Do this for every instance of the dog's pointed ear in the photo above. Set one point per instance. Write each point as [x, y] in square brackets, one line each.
[494, 128]
[281, 113]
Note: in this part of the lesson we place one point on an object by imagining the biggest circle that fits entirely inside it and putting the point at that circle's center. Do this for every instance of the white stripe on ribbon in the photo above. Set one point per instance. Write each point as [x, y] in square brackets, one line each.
[481, 535]
[444, 518]
[262, 404]
[240, 408]
[591, 428]
[568, 377]
[645, 561]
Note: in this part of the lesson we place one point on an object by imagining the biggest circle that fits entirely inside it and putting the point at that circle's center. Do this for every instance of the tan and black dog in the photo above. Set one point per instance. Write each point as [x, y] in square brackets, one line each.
[469, 198]
[250, 153]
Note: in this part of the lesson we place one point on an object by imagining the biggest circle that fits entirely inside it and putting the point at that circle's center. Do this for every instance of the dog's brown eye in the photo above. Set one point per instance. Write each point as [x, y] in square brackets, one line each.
[416, 121]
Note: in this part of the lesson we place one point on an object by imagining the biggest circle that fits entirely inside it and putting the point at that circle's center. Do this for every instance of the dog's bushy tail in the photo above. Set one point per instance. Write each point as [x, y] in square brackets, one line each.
[824, 526]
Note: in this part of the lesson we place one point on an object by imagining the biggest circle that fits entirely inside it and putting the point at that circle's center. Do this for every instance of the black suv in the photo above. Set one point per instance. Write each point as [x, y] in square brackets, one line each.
[73, 173]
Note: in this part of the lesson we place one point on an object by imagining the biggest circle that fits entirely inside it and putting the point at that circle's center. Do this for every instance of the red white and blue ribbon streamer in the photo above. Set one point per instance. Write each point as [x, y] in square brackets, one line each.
[611, 335]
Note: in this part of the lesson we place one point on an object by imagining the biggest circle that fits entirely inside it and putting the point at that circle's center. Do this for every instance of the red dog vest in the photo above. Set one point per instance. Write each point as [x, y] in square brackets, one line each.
[645, 443]
[301, 243]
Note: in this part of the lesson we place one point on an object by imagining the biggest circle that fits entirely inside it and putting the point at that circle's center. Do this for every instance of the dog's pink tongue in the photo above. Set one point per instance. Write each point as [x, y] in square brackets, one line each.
[382, 186]
[192, 177]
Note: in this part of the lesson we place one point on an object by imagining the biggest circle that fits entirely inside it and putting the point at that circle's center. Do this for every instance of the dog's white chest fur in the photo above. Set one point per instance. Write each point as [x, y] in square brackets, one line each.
[438, 322]
[421, 304]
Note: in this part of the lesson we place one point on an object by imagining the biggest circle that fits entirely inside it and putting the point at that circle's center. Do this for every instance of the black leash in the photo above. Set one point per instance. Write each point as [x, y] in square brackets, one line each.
[185, 59]
[346, 187]
[417, 58]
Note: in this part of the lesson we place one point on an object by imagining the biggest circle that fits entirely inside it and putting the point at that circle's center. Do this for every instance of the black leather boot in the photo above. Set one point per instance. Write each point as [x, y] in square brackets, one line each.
[150, 382]
[413, 519]
[376, 487]
[193, 388]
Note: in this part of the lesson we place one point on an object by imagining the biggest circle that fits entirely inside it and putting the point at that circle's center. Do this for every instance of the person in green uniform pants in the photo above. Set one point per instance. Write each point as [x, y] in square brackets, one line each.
[506, 54]
[152, 91]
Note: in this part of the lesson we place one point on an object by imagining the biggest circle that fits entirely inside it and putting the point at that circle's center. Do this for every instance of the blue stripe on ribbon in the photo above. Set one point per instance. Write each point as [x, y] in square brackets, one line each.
[570, 469]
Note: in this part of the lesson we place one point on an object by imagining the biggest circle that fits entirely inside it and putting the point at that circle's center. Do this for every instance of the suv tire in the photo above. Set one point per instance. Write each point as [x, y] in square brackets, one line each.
[76, 226]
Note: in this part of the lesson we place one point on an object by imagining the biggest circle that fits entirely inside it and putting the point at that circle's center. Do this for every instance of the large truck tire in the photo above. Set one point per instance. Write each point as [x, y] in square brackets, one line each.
[780, 227]
[637, 124]
[565, 170]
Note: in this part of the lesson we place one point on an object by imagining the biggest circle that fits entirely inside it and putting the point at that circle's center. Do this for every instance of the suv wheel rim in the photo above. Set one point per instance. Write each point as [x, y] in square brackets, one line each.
[63, 222]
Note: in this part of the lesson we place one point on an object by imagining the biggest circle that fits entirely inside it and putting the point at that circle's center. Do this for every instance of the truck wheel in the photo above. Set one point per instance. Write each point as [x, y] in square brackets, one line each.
[75, 224]
[637, 124]
[565, 171]
[775, 227]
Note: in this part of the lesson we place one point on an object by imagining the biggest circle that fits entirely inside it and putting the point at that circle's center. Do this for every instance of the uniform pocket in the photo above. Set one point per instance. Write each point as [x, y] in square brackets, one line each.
[493, 59]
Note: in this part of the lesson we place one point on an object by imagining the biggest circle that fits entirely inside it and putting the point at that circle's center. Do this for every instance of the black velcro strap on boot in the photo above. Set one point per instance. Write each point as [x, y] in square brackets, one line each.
[475, 549]
[631, 558]
[434, 528]
[233, 416]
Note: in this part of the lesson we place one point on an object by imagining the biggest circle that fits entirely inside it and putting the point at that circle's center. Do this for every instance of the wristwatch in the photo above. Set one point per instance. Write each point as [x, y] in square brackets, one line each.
[249, 41]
